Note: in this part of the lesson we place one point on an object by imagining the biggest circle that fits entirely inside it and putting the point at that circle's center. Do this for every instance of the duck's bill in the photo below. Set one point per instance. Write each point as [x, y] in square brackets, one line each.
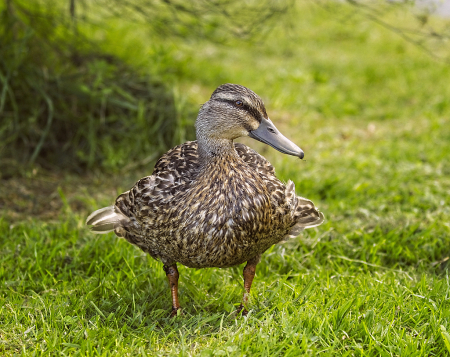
[268, 134]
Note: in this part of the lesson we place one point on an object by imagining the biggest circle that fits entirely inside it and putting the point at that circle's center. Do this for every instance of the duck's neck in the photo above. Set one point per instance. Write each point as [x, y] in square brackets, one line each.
[210, 149]
[212, 145]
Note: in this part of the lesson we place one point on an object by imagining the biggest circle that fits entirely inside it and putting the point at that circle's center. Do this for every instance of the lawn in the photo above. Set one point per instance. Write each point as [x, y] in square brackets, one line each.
[371, 112]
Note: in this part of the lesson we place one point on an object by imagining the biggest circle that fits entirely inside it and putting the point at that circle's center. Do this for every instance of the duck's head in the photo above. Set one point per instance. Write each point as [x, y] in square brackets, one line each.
[234, 111]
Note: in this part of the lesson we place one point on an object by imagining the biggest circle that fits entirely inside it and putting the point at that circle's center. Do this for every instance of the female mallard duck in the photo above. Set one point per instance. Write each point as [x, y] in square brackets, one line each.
[212, 202]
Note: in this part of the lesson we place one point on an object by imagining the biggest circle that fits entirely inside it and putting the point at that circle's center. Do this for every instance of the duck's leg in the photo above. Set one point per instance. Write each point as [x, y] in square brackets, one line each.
[249, 274]
[172, 276]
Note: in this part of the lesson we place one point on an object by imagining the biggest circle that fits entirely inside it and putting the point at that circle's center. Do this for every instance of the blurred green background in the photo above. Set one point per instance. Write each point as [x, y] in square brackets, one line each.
[93, 92]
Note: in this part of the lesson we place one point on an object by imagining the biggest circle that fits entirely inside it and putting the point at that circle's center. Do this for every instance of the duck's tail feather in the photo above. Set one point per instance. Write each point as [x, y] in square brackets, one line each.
[105, 220]
[303, 212]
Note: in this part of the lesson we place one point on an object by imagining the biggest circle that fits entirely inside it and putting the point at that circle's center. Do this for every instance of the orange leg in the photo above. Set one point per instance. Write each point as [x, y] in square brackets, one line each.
[172, 276]
[249, 274]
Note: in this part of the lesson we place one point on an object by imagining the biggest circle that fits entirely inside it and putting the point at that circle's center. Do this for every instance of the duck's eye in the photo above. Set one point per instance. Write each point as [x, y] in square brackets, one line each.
[239, 103]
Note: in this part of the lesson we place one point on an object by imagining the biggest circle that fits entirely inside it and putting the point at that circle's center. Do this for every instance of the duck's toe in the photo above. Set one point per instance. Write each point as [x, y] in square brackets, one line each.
[241, 311]
[176, 312]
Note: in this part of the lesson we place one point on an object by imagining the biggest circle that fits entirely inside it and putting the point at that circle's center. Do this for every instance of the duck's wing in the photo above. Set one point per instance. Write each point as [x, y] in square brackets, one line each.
[259, 163]
[150, 196]
[180, 161]
[176, 167]
[303, 214]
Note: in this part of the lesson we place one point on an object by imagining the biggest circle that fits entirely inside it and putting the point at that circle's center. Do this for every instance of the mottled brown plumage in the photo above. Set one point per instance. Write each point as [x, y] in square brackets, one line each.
[212, 202]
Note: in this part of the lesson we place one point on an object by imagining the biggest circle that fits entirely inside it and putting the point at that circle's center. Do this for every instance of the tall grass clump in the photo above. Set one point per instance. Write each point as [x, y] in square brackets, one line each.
[65, 103]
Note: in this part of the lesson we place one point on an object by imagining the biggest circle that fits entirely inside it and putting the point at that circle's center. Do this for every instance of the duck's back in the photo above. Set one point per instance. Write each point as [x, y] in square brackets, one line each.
[220, 216]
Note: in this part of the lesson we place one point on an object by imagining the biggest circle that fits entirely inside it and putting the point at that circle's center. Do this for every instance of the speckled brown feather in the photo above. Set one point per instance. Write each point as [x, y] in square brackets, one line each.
[219, 215]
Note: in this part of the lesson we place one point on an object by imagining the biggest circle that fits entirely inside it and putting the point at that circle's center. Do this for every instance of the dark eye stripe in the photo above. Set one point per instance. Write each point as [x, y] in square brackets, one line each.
[252, 111]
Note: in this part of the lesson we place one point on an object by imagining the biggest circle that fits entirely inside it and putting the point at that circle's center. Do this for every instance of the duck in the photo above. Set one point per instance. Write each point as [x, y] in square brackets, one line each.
[213, 202]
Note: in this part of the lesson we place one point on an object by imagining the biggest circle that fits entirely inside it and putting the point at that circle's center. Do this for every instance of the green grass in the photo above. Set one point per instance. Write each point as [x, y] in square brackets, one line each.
[66, 105]
[372, 115]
